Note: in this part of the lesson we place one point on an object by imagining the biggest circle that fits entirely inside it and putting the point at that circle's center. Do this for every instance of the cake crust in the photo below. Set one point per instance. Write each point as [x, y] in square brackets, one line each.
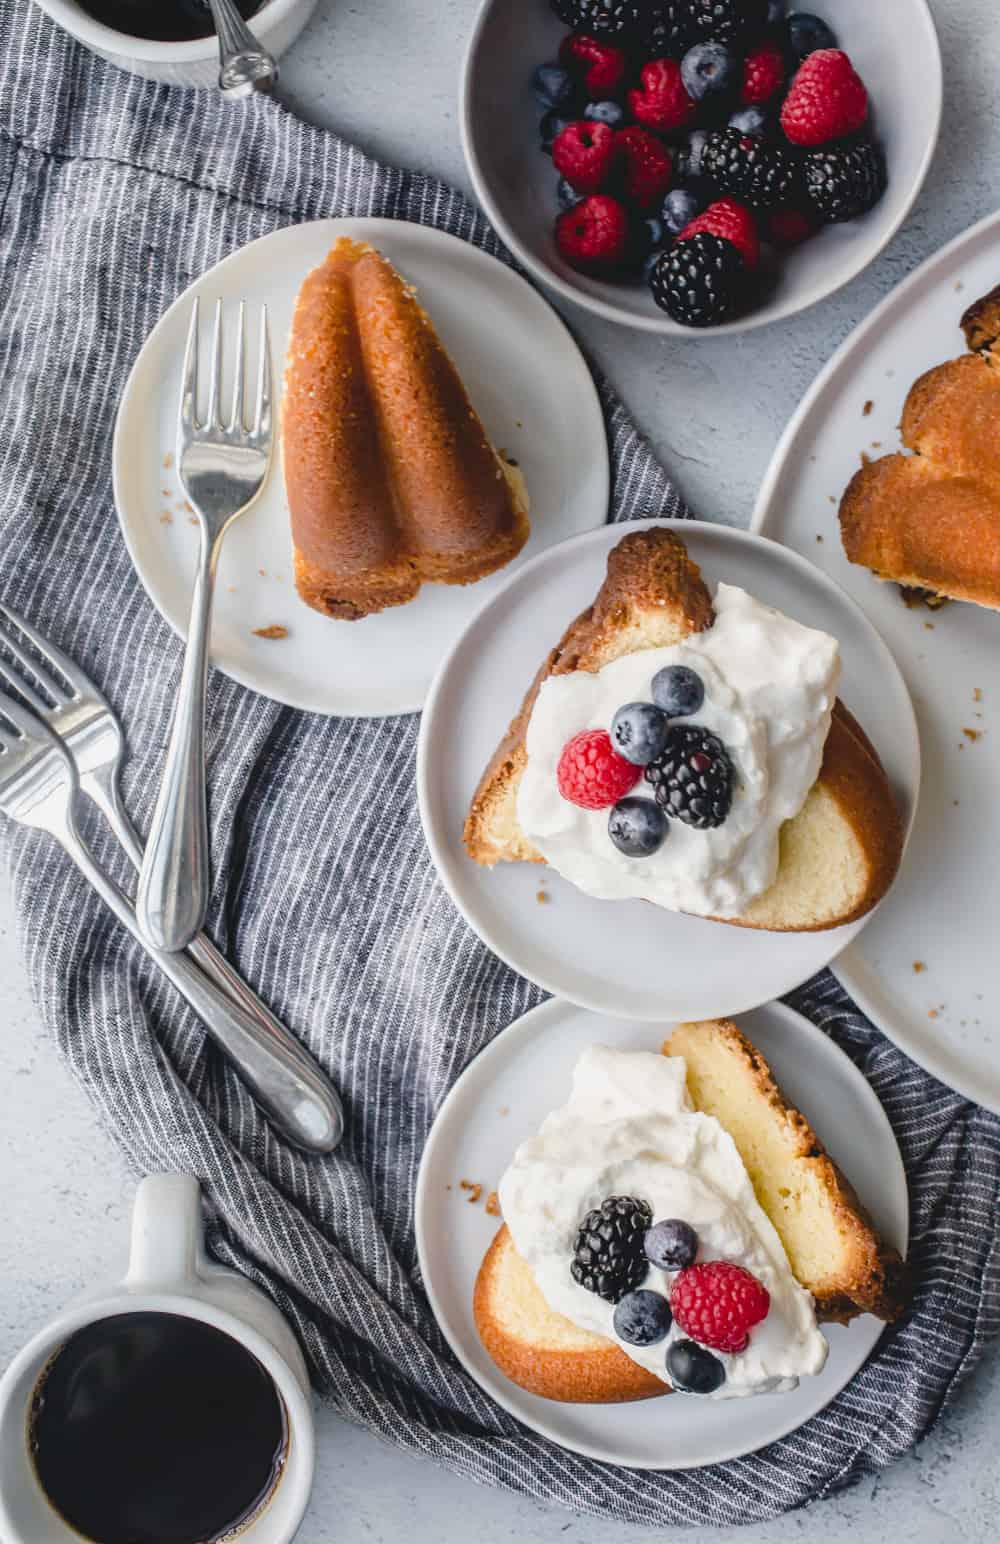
[654, 595]
[390, 477]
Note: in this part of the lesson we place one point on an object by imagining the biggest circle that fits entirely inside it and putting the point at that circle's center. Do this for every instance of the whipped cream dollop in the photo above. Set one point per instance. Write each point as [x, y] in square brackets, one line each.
[770, 685]
[629, 1129]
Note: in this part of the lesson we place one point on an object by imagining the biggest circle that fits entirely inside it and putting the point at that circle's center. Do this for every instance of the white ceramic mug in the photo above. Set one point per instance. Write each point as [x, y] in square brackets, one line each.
[167, 1273]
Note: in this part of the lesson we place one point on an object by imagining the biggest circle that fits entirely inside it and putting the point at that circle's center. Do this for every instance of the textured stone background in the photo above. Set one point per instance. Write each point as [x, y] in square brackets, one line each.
[385, 72]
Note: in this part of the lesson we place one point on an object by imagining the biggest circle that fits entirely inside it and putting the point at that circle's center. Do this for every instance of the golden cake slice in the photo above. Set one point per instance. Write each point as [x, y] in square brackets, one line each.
[838, 855]
[832, 1246]
[391, 480]
[930, 521]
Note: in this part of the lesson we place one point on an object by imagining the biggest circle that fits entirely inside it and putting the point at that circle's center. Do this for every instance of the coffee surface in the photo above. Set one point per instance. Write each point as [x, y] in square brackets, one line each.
[150, 1428]
[165, 21]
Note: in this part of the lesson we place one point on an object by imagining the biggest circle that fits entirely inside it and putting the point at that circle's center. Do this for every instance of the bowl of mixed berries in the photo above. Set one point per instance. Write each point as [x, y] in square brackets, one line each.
[686, 164]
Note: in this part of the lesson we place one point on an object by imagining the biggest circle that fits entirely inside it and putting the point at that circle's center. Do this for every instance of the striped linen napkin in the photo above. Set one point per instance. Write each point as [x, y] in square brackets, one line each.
[114, 193]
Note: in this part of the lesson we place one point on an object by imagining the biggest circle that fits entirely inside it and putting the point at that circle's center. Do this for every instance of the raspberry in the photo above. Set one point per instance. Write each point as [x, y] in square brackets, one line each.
[648, 167]
[733, 222]
[599, 65]
[763, 73]
[591, 774]
[790, 227]
[661, 103]
[718, 1304]
[585, 154]
[827, 100]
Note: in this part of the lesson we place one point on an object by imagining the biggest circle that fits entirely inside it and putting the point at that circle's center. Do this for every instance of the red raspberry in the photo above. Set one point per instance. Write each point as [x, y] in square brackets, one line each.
[585, 154]
[594, 234]
[662, 102]
[733, 222]
[600, 66]
[827, 99]
[592, 774]
[648, 167]
[763, 73]
[790, 227]
[718, 1304]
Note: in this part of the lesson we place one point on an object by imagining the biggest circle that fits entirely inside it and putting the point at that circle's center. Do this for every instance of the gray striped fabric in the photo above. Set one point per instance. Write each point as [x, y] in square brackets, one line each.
[113, 194]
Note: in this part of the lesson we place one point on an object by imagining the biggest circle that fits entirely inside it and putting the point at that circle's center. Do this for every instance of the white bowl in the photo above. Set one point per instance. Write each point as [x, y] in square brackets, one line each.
[894, 48]
[195, 63]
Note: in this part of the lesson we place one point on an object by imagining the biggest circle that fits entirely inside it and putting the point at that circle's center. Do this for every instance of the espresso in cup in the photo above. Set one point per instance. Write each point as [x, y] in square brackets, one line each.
[163, 21]
[153, 1428]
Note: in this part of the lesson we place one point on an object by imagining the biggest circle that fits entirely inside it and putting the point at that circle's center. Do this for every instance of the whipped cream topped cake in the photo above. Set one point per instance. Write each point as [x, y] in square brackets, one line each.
[676, 1225]
[689, 749]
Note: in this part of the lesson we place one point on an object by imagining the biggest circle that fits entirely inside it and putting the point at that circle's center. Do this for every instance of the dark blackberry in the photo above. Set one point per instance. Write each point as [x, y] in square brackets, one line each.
[693, 778]
[750, 169]
[666, 34]
[608, 1257]
[606, 19]
[844, 181]
[724, 21]
[700, 282]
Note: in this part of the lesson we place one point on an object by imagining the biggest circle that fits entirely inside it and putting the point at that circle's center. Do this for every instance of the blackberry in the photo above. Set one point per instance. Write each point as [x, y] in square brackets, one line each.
[608, 20]
[700, 282]
[724, 21]
[750, 169]
[666, 34]
[693, 778]
[608, 1257]
[844, 181]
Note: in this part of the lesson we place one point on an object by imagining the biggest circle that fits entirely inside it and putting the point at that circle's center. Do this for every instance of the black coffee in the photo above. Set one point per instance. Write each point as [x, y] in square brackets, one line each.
[165, 21]
[149, 1428]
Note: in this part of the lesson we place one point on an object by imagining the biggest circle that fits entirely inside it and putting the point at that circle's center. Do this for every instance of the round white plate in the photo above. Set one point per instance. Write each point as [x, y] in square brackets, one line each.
[528, 381]
[942, 913]
[627, 957]
[501, 1099]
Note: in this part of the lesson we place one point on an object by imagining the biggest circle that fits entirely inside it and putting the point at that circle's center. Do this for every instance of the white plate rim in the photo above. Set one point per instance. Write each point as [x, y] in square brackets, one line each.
[849, 967]
[436, 841]
[373, 227]
[534, 1021]
[663, 326]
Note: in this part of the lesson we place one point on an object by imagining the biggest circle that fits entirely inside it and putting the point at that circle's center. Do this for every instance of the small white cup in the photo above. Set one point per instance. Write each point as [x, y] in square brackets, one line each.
[167, 1273]
[194, 62]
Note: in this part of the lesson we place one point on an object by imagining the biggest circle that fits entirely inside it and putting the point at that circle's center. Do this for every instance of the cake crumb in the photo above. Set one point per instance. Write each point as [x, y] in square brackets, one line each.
[505, 1109]
[475, 1191]
[168, 461]
[274, 631]
[231, 589]
[918, 966]
[493, 1204]
[866, 410]
[866, 459]
[166, 518]
[818, 537]
[959, 286]
[977, 694]
[929, 627]
[192, 519]
[542, 897]
[188, 507]
[876, 444]
[262, 572]
[972, 734]
[932, 1013]
[168, 493]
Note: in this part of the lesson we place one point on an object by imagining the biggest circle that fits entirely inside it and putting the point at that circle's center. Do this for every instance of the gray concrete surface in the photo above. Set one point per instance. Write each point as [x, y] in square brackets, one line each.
[385, 72]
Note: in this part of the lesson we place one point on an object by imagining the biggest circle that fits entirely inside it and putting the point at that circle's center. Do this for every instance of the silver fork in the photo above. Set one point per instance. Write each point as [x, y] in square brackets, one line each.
[299, 1098]
[222, 470]
[38, 786]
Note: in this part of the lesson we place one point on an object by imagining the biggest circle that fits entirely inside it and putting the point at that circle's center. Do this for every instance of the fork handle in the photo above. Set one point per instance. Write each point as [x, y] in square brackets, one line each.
[172, 897]
[280, 1074]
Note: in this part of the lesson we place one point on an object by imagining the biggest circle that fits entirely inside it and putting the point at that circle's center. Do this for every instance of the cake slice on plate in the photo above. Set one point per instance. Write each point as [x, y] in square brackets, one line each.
[736, 787]
[390, 477]
[799, 1225]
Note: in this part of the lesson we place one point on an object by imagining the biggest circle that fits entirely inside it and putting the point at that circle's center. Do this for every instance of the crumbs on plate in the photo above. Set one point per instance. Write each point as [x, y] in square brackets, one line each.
[274, 631]
[493, 1204]
[475, 1191]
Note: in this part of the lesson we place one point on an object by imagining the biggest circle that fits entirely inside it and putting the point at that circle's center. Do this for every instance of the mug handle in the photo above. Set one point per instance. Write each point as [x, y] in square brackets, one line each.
[166, 1244]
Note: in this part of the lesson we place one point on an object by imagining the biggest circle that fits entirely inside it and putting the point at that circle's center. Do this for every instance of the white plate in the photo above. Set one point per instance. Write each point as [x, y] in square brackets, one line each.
[528, 381]
[501, 1099]
[627, 957]
[943, 911]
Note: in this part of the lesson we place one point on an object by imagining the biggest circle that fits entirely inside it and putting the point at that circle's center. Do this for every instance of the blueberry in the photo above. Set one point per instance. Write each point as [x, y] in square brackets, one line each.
[678, 690]
[672, 1245]
[806, 33]
[566, 194]
[775, 13]
[638, 827]
[550, 127]
[755, 121]
[642, 1318]
[693, 1370]
[680, 207]
[553, 86]
[611, 113]
[710, 70]
[639, 732]
[651, 234]
[687, 163]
